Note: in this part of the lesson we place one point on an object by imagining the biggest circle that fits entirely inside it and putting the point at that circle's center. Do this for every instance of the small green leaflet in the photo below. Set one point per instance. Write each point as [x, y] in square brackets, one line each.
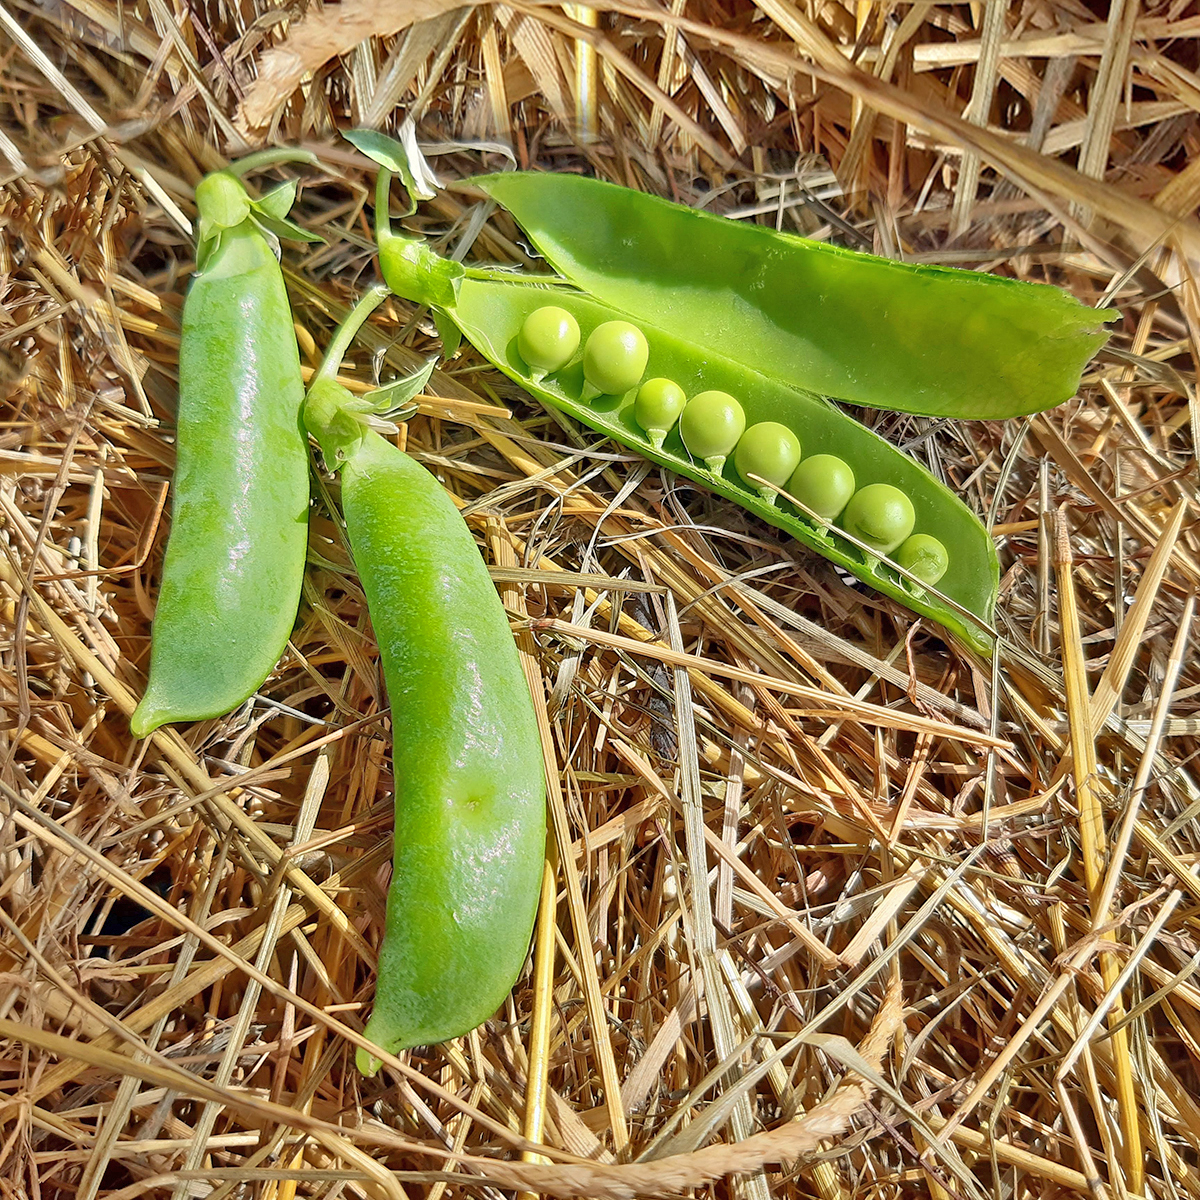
[277, 203]
[391, 399]
[403, 158]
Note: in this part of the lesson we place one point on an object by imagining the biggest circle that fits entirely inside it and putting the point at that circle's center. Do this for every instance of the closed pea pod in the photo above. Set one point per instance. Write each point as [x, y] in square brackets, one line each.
[467, 759]
[235, 556]
[770, 451]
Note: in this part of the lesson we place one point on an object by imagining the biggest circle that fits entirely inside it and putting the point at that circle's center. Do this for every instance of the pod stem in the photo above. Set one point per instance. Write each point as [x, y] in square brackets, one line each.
[348, 331]
[383, 204]
[268, 158]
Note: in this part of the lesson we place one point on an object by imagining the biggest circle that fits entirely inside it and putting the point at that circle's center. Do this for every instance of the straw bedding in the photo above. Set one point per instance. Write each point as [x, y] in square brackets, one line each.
[838, 910]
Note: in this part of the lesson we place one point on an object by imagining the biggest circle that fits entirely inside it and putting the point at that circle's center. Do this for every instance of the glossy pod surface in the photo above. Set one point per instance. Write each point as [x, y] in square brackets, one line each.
[490, 315]
[235, 556]
[470, 787]
[921, 339]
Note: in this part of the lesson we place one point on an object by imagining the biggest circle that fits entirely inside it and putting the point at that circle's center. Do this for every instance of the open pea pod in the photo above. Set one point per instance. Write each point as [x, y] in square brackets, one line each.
[601, 389]
[937, 341]
[491, 314]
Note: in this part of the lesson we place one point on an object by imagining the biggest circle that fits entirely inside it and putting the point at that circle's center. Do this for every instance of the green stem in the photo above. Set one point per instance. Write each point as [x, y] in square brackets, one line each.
[348, 330]
[383, 204]
[268, 158]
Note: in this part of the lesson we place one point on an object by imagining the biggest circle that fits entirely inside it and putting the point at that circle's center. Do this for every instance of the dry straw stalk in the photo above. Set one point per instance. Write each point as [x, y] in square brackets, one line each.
[832, 908]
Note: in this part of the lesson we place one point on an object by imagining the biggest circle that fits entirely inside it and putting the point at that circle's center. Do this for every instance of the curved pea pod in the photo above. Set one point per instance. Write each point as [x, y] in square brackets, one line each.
[470, 788]
[490, 311]
[921, 339]
[470, 833]
[490, 314]
[235, 556]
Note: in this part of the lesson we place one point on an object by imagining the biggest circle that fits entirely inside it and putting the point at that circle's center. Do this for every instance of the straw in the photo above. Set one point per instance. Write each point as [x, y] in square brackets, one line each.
[831, 906]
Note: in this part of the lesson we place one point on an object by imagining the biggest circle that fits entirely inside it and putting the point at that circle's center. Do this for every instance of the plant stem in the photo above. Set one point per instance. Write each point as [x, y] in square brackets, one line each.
[383, 203]
[348, 330]
[268, 158]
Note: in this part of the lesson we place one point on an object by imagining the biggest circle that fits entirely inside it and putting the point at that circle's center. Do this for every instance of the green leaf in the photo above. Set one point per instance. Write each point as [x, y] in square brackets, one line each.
[450, 333]
[417, 273]
[206, 245]
[403, 158]
[392, 397]
[378, 147]
[277, 203]
[283, 228]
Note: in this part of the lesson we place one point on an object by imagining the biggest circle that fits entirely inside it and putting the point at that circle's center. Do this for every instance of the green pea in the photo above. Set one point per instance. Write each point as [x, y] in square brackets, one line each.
[769, 450]
[711, 425]
[657, 407]
[823, 483]
[548, 340]
[614, 359]
[880, 515]
[924, 556]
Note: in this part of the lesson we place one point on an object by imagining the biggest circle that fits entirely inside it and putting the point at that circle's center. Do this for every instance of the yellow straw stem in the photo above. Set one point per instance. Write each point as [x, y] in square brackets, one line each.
[538, 1072]
[1092, 837]
[587, 77]
[1083, 746]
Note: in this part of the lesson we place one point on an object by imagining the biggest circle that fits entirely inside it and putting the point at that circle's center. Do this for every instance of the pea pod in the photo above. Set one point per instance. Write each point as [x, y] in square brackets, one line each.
[490, 311]
[921, 339]
[235, 556]
[470, 785]
[490, 314]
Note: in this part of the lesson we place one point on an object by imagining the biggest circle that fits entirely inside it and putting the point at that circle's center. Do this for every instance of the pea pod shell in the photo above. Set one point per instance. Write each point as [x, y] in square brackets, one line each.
[922, 339]
[235, 556]
[470, 784]
[490, 315]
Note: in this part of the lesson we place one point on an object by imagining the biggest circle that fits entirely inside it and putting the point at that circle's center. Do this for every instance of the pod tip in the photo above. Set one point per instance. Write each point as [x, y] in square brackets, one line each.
[367, 1063]
[147, 718]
